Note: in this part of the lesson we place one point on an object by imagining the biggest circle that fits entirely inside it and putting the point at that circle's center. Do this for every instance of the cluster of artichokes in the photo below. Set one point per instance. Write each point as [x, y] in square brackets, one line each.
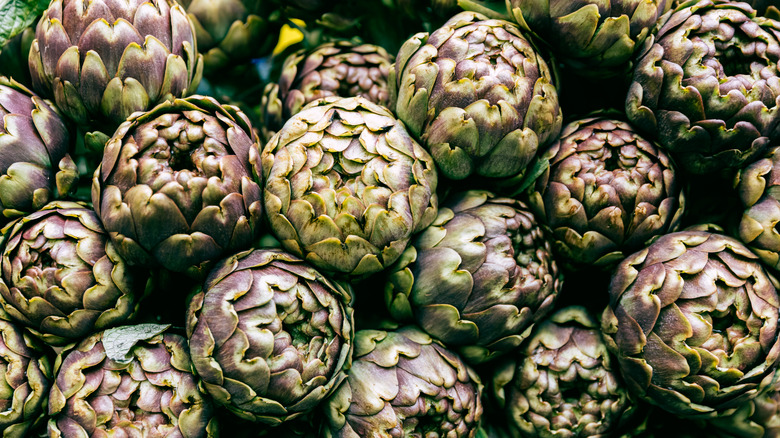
[387, 218]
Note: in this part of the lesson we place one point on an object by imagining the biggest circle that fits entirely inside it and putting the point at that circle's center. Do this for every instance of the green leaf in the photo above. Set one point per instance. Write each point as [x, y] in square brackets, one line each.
[17, 15]
[118, 342]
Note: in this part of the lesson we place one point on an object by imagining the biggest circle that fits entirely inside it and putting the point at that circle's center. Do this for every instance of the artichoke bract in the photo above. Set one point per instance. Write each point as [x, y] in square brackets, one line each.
[706, 86]
[232, 32]
[477, 95]
[758, 187]
[148, 391]
[404, 383]
[25, 378]
[332, 69]
[692, 320]
[178, 185]
[269, 335]
[562, 382]
[103, 60]
[346, 186]
[596, 38]
[606, 192]
[35, 167]
[61, 276]
[478, 278]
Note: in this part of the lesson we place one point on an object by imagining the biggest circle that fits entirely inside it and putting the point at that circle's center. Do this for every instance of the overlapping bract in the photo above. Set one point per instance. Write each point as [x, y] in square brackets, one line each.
[562, 382]
[346, 186]
[477, 95]
[269, 335]
[178, 185]
[331, 69]
[707, 85]
[25, 377]
[595, 38]
[693, 322]
[61, 276]
[404, 383]
[151, 394]
[103, 60]
[35, 167]
[478, 278]
[232, 32]
[606, 192]
[758, 187]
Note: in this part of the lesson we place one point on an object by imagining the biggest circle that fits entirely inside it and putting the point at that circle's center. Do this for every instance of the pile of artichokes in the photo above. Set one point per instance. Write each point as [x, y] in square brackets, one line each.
[390, 218]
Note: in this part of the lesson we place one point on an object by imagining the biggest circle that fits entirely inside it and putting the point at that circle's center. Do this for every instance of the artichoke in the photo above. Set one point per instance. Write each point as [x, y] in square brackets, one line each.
[477, 95]
[404, 383]
[269, 336]
[346, 186]
[232, 32]
[758, 418]
[595, 38]
[331, 69]
[26, 377]
[757, 187]
[707, 86]
[104, 60]
[693, 320]
[606, 192]
[562, 382]
[178, 185]
[61, 276]
[129, 382]
[35, 167]
[478, 278]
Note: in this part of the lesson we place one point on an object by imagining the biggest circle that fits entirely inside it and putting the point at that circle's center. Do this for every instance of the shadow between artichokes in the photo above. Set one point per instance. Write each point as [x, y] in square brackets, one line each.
[178, 185]
[692, 321]
[346, 186]
[269, 336]
[478, 278]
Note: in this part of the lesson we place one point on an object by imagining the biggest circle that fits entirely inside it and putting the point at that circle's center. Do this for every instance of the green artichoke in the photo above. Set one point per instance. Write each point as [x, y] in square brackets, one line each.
[477, 95]
[332, 69]
[595, 38]
[693, 320]
[606, 192]
[562, 382]
[104, 60]
[232, 32]
[269, 335]
[346, 186]
[402, 383]
[706, 86]
[13, 56]
[478, 278]
[139, 385]
[757, 186]
[178, 185]
[26, 377]
[35, 167]
[61, 276]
